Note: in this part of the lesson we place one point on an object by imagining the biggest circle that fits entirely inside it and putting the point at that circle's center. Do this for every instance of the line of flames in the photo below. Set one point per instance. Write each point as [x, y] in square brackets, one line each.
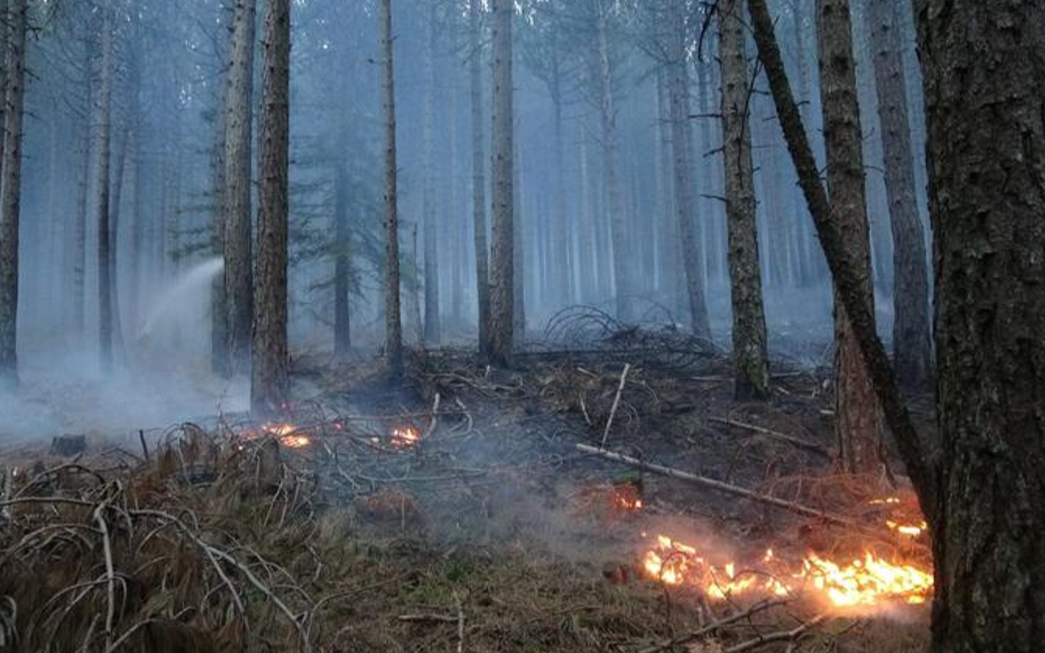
[866, 581]
[293, 437]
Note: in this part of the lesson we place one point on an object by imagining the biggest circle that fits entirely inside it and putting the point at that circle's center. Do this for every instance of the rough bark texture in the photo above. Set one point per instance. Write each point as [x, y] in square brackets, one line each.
[482, 264]
[238, 245]
[857, 424]
[103, 153]
[847, 277]
[685, 202]
[80, 225]
[984, 66]
[751, 367]
[270, 382]
[502, 274]
[911, 340]
[393, 318]
[10, 197]
[432, 331]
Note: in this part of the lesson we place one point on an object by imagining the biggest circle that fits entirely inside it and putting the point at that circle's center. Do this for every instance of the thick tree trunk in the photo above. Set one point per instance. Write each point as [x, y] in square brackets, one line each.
[103, 152]
[751, 367]
[10, 197]
[393, 318]
[857, 424]
[80, 222]
[502, 273]
[342, 259]
[610, 154]
[6, 35]
[432, 325]
[685, 202]
[984, 66]
[270, 381]
[911, 339]
[238, 245]
[482, 265]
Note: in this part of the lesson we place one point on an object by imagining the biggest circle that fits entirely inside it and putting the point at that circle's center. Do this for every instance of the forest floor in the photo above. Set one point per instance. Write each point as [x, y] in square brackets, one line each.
[451, 510]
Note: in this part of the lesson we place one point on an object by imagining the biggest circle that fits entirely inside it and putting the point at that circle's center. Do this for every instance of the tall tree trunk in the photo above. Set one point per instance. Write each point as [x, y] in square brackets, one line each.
[610, 155]
[135, 256]
[751, 367]
[482, 266]
[80, 221]
[393, 319]
[502, 274]
[6, 37]
[519, 247]
[103, 150]
[342, 259]
[270, 380]
[849, 278]
[984, 66]
[432, 326]
[10, 196]
[561, 264]
[238, 245]
[857, 425]
[219, 317]
[586, 226]
[685, 203]
[911, 339]
[115, 215]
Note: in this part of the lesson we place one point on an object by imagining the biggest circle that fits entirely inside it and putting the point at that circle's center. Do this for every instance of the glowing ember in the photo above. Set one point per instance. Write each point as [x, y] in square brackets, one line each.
[289, 435]
[626, 497]
[909, 530]
[864, 582]
[405, 437]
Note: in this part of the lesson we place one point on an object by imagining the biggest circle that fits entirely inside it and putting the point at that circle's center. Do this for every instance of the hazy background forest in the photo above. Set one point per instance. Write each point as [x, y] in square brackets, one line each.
[576, 171]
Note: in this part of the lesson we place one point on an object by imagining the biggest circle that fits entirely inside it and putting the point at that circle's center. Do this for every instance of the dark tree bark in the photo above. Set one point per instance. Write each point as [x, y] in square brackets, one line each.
[393, 318]
[270, 381]
[857, 425]
[219, 356]
[502, 274]
[984, 78]
[432, 332]
[103, 136]
[750, 360]
[11, 195]
[911, 339]
[115, 218]
[238, 245]
[482, 265]
[848, 278]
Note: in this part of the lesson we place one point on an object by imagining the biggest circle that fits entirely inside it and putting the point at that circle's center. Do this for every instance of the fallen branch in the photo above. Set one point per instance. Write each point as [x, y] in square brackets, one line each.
[780, 636]
[616, 402]
[776, 435]
[710, 629]
[723, 487]
[440, 618]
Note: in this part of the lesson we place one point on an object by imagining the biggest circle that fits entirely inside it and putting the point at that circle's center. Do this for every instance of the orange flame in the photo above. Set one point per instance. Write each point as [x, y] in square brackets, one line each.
[289, 435]
[864, 582]
[405, 437]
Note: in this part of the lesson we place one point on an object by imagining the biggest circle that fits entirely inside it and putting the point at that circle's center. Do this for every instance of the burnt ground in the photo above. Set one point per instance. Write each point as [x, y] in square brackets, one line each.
[493, 533]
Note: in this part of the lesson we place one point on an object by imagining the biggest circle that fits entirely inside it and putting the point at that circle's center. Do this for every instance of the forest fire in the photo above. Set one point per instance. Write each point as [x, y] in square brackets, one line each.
[288, 435]
[867, 581]
[627, 498]
[405, 437]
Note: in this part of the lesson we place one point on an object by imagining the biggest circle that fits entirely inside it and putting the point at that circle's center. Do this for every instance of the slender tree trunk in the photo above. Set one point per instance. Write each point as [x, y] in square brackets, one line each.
[984, 66]
[342, 259]
[270, 380]
[6, 37]
[856, 412]
[80, 222]
[393, 319]
[238, 245]
[482, 267]
[561, 265]
[432, 325]
[519, 247]
[586, 227]
[849, 278]
[751, 375]
[103, 134]
[610, 155]
[413, 287]
[911, 339]
[10, 196]
[115, 214]
[685, 203]
[134, 262]
[219, 317]
[502, 276]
